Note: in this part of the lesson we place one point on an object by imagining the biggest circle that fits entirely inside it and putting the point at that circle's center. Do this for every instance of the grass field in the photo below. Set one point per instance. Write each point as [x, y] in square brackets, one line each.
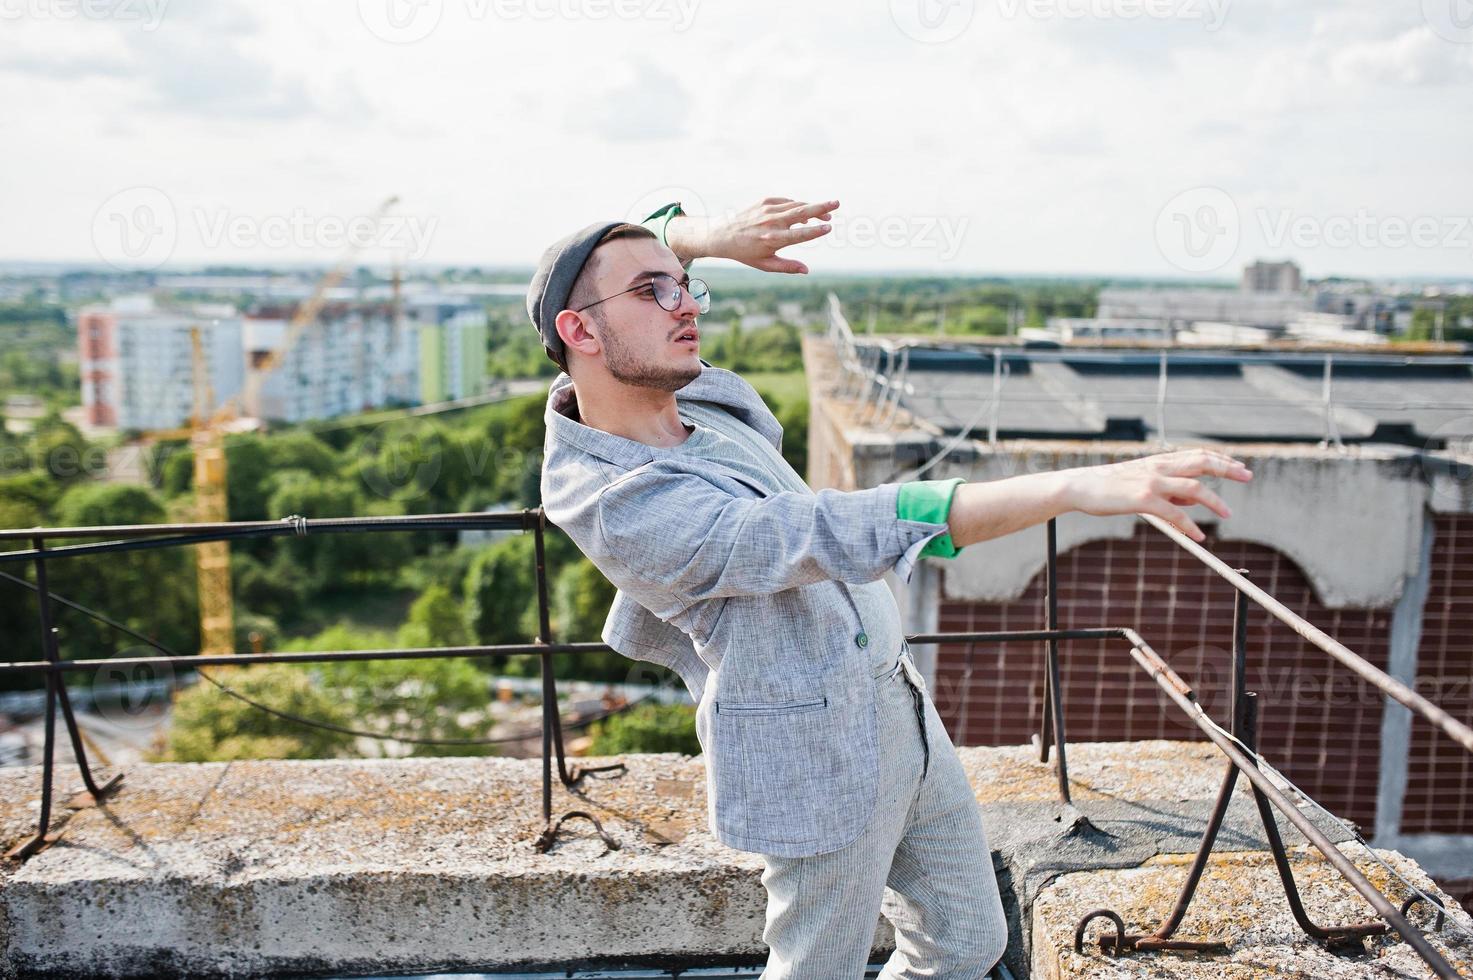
[781, 386]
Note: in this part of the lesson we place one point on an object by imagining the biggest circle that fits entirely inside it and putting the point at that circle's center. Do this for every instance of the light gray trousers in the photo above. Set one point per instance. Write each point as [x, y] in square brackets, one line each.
[923, 861]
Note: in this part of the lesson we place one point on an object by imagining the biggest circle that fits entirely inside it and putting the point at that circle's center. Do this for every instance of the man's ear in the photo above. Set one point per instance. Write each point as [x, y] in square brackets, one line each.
[573, 329]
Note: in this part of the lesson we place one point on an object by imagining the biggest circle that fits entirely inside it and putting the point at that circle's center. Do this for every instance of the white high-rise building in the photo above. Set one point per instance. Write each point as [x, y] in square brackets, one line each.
[354, 358]
[1271, 277]
[1184, 306]
[452, 346]
[137, 366]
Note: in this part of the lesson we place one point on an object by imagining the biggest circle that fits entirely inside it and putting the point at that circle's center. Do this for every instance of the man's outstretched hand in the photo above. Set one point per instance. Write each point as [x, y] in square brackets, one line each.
[1164, 484]
[752, 236]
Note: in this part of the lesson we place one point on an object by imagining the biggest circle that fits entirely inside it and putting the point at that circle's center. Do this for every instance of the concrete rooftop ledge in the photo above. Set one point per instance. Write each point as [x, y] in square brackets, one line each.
[342, 867]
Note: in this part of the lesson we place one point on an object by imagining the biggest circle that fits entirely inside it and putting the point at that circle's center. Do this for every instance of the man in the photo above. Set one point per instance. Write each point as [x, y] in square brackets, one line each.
[824, 752]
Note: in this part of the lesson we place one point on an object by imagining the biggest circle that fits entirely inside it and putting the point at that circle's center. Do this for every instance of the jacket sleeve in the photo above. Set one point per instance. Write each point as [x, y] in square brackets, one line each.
[686, 536]
[930, 500]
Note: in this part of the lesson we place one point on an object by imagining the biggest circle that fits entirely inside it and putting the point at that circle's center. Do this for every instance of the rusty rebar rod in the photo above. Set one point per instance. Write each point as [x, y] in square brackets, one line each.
[1181, 693]
[1388, 685]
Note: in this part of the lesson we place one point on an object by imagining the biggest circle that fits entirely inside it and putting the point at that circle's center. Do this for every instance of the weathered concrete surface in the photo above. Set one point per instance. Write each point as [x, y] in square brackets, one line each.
[1239, 901]
[249, 868]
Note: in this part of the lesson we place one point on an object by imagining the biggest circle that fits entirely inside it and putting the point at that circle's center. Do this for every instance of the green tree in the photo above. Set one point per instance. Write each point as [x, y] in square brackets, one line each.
[58, 449]
[500, 596]
[438, 698]
[648, 727]
[150, 590]
[435, 620]
[335, 560]
[34, 491]
[276, 590]
[208, 725]
[581, 600]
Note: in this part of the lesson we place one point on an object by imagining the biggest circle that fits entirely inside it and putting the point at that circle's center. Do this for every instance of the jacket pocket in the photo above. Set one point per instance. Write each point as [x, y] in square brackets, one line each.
[794, 706]
[779, 769]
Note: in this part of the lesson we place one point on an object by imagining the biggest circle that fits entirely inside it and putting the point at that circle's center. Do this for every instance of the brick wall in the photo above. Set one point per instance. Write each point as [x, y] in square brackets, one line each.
[1439, 797]
[1318, 721]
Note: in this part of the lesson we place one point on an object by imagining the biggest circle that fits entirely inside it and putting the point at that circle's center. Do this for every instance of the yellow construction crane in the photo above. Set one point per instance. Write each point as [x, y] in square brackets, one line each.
[206, 434]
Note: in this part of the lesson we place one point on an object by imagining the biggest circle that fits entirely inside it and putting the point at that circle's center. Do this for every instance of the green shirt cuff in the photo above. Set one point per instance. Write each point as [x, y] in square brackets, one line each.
[659, 222]
[930, 501]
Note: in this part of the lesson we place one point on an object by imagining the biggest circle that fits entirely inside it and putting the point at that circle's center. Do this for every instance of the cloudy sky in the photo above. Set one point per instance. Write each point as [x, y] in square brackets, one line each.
[1140, 137]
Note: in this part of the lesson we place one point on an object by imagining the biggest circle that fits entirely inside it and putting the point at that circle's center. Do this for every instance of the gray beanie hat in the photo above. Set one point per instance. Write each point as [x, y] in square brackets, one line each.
[547, 296]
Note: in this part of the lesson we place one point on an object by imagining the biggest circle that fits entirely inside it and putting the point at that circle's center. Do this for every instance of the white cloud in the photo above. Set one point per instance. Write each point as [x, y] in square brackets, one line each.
[1055, 141]
[1417, 56]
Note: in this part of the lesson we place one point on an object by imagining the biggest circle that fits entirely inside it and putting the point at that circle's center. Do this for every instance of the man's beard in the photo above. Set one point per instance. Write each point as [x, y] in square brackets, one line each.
[625, 367]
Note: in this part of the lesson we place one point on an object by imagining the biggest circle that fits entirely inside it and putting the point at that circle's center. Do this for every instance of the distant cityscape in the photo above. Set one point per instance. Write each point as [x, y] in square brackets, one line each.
[377, 344]
[1272, 302]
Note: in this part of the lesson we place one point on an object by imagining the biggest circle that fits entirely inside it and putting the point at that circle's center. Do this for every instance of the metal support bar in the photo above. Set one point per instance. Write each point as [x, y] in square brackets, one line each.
[552, 725]
[56, 692]
[1178, 691]
[1346, 938]
[1054, 695]
[1404, 695]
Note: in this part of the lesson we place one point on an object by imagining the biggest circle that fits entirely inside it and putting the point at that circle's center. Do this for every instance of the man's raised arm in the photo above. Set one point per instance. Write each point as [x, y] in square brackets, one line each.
[679, 533]
[752, 236]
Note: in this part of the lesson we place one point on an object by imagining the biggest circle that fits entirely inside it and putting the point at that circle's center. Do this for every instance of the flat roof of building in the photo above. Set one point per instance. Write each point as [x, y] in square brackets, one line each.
[1248, 393]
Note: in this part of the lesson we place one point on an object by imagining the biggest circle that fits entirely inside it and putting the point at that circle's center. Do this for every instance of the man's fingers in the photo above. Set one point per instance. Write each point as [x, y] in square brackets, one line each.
[803, 233]
[1179, 490]
[776, 263]
[800, 211]
[1179, 517]
[1196, 462]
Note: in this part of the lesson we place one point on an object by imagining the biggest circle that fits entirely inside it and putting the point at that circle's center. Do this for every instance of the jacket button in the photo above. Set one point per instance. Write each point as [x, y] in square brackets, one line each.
[862, 639]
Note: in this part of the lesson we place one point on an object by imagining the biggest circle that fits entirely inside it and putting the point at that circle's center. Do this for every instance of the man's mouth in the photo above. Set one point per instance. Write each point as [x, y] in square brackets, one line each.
[691, 338]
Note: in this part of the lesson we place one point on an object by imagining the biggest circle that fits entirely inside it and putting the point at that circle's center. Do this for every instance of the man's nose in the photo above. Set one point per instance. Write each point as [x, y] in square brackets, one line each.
[688, 308]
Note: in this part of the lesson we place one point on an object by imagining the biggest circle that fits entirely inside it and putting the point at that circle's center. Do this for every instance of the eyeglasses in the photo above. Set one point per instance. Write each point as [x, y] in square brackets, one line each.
[667, 292]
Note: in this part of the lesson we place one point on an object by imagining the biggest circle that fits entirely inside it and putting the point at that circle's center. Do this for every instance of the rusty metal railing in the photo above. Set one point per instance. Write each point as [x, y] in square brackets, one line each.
[151, 536]
[1237, 742]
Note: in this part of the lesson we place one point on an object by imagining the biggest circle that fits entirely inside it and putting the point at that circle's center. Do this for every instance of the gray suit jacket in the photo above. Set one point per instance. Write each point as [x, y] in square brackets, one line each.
[742, 593]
